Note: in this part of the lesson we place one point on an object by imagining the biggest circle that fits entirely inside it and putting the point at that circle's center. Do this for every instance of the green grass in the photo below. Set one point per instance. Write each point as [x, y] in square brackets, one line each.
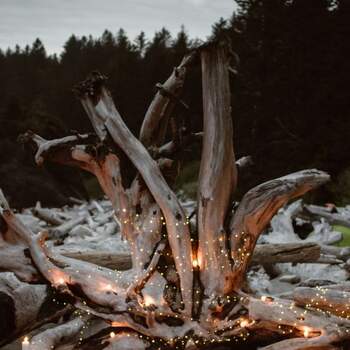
[345, 242]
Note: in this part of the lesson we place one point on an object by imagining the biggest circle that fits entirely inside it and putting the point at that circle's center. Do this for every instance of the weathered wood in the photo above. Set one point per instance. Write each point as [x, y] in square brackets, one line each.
[335, 301]
[59, 335]
[47, 215]
[115, 261]
[263, 253]
[332, 218]
[286, 253]
[322, 330]
[174, 294]
[155, 121]
[256, 210]
[178, 233]
[217, 168]
[25, 307]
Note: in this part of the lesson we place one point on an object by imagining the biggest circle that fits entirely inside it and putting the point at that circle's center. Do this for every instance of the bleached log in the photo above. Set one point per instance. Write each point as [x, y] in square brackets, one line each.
[14, 259]
[332, 218]
[318, 343]
[217, 168]
[44, 146]
[282, 230]
[263, 253]
[26, 306]
[319, 329]
[155, 122]
[96, 283]
[106, 169]
[335, 301]
[178, 233]
[287, 252]
[115, 261]
[256, 210]
[47, 215]
[63, 229]
[58, 335]
[127, 341]
[329, 259]
[342, 253]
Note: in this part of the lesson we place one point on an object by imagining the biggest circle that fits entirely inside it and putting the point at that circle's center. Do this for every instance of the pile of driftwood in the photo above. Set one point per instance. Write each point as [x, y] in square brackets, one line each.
[298, 249]
[186, 286]
[298, 234]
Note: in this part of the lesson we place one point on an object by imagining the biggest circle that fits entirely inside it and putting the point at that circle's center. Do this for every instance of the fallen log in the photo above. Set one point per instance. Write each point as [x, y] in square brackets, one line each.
[286, 253]
[264, 253]
[25, 307]
[319, 212]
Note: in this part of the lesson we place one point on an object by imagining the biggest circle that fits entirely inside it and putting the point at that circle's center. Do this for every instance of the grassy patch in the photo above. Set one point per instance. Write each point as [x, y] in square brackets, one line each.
[346, 235]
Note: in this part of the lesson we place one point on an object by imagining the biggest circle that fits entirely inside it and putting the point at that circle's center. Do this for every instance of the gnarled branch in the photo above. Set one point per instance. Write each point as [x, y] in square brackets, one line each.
[256, 210]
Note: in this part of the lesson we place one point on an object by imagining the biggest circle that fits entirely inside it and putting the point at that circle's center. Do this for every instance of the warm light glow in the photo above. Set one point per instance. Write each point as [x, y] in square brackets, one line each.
[196, 259]
[58, 277]
[107, 287]
[244, 323]
[112, 334]
[264, 298]
[25, 342]
[307, 331]
[148, 300]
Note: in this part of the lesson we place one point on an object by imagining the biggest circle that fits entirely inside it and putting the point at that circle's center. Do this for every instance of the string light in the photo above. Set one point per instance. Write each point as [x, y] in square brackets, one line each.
[284, 325]
[25, 343]
[306, 332]
[148, 300]
[244, 323]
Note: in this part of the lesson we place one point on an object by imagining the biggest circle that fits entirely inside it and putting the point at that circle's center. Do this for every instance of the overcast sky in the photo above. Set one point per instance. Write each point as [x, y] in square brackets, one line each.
[53, 21]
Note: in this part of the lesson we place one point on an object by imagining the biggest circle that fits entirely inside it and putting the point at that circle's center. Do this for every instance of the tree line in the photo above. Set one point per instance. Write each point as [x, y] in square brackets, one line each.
[289, 79]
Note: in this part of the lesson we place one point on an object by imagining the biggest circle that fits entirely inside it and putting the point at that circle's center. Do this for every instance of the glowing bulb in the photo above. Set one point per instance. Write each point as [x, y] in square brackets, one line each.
[244, 323]
[148, 300]
[106, 287]
[112, 334]
[306, 332]
[25, 343]
[195, 263]
[60, 281]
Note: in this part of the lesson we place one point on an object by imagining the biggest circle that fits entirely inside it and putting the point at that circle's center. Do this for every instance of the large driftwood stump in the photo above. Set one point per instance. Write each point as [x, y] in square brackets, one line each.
[185, 289]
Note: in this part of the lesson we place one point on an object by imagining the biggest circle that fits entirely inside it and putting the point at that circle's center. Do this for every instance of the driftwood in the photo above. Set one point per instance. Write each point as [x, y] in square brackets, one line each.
[263, 253]
[184, 288]
[286, 253]
[332, 218]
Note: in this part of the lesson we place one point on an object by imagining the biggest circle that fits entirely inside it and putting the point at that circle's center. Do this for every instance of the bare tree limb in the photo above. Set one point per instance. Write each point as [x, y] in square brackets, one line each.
[156, 119]
[256, 210]
[178, 233]
[217, 167]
